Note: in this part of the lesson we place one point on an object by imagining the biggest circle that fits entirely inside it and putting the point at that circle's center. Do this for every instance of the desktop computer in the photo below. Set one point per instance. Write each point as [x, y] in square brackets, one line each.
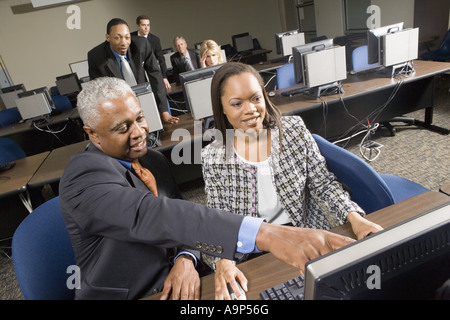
[10, 94]
[35, 105]
[148, 104]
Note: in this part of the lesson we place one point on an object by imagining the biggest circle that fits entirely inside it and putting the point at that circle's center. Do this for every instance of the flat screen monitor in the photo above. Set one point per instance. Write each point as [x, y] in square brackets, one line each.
[399, 47]
[68, 84]
[81, 68]
[35, 104]
[410, 260]
[286, 40]
[373, 40]
[242, 42]
[146, 98]
[324, 67]
[297, 53]
[10, 94]
[196, 86]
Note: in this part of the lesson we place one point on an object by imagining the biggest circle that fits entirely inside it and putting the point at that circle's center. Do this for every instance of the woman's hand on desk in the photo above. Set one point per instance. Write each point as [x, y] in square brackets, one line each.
[227, 272]
[361, 226]
[183, 281]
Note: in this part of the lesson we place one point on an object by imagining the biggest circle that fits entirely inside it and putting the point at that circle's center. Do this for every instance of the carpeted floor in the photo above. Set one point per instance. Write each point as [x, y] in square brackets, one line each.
[413, 153]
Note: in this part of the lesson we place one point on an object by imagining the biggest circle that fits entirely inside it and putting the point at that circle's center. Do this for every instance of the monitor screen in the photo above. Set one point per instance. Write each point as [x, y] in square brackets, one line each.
[242, 42]
[297, 53]
[10, 94]
[35, 104]
[373, 40]
[68, 84]
[81, 68]
[196, 86]
[146, 98]
[286, 40]
[410, 260]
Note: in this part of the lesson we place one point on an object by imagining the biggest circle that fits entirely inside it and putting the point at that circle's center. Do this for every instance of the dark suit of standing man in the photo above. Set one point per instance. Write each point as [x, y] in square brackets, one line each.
[143, 30]
[103, 62]
[178, 59]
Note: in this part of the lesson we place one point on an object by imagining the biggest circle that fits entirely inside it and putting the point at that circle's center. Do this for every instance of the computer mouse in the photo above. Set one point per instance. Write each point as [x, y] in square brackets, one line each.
[271, 93]
[233, 296]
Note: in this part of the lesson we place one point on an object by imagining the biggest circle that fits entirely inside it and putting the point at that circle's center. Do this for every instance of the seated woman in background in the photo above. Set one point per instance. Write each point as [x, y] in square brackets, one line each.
[271, 167]
[210, 54]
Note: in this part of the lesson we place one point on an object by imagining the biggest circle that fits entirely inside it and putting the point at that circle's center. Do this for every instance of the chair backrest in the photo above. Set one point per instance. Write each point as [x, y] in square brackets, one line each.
[285, 76]
[367, 187]
[9, 116]
[42, 252]
[360, 58]
[10, 150]
[62, 103]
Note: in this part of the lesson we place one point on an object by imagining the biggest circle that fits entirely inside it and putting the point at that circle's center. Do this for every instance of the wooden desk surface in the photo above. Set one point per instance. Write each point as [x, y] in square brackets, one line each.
[266, 271]
[53, 166]
[15, 180]
[26, 126]
[356, 85]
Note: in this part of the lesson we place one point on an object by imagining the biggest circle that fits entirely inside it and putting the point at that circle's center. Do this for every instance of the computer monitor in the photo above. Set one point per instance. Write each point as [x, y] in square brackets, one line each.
[35, 105]
[298, 51]
[81, 68]
[167, 53]
[148, 104]
[399, 47]
[410, 260]
[286, 40]
[242, 42]
[10, 94]
[373, 40]
[68, 84]
[196, 86]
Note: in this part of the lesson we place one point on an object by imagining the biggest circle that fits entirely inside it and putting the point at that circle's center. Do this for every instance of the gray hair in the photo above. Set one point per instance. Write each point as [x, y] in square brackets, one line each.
[96, 92]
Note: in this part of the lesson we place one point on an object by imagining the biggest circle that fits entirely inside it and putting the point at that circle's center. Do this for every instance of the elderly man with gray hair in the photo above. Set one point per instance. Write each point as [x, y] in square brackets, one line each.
[121, 225]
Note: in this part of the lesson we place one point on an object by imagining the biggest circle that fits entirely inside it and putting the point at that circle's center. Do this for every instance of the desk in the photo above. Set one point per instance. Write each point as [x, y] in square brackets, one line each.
[445, 189]
[53, 166]
[258, 269]
[34, 141]
[363, 94]
[13, 182]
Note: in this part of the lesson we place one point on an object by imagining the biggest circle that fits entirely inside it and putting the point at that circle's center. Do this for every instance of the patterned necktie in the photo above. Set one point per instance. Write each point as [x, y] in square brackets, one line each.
[146, 176]
[127, 72]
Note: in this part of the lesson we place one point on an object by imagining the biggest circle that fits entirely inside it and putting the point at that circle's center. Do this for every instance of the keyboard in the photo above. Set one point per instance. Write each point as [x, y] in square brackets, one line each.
[294, 91]
[290, 290]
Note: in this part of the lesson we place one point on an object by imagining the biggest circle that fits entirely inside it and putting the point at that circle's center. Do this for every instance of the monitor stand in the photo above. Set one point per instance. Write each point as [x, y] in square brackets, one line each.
[41, 121]
[402, 68]
[208, 123]
[324, 90]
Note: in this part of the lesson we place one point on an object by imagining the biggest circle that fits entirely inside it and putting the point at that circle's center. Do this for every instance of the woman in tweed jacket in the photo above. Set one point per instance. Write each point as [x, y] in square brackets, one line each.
[262, 164]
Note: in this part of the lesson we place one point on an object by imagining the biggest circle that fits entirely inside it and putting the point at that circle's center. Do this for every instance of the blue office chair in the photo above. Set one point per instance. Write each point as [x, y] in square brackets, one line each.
[9, 116]
[372, 191]
[441, 54]
[360, 59]
[285, 76]
[41, 253]
[62, 103]
[10, 150]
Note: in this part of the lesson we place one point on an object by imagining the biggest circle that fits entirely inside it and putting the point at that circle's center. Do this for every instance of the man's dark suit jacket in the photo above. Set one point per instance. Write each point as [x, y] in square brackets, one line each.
[178, 63]
[155, 45]
[120, 231]
[103, 63]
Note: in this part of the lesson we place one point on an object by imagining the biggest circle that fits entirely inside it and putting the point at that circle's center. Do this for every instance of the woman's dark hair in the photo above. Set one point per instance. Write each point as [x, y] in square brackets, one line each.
[273, 115]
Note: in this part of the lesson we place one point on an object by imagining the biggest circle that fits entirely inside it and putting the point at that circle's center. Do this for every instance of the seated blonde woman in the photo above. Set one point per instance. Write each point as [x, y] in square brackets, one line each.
[210, 54]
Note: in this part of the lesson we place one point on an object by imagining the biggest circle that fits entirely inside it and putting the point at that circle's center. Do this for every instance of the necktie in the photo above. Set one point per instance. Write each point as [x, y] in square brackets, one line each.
[187, 64]
[146, 176]
[127, 72]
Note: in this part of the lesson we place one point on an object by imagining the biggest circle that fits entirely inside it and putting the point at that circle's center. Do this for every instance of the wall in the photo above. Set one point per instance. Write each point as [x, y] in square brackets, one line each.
[37, 46]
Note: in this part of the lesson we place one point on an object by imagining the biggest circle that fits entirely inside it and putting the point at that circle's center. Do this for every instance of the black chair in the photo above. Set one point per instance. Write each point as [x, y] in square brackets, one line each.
[441, 54]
